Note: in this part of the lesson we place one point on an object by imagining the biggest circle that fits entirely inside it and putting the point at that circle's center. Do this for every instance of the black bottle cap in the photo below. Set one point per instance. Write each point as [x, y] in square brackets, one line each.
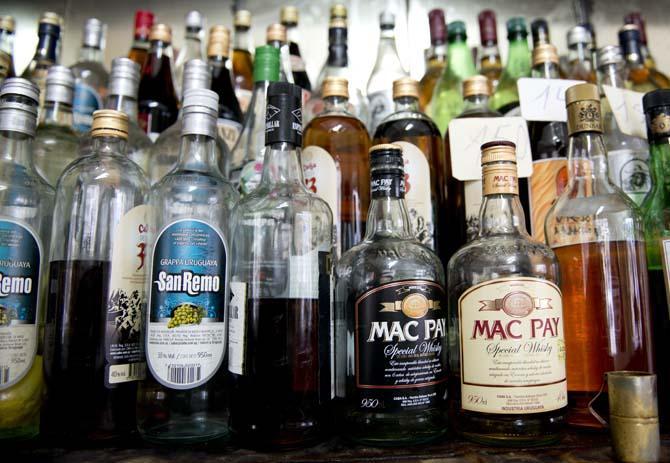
[540, 31]
[629, 39]
[283, 115]
[656, 106]
[387, 171]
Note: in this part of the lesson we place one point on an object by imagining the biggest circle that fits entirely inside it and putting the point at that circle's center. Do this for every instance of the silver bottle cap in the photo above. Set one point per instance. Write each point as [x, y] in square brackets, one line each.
[93, 33]
[18, 105]
[386, 18]
[579, 34]
[60, 84]
[611, 54]
[194, 19]
[124, 78]
[200, 109]
[196, 75]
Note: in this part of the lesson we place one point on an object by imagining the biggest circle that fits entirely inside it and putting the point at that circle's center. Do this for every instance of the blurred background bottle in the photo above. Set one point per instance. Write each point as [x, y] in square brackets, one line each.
[243, 66]
[7, 26]
[144, 20]
[436, 57]
[506, 96]
[490, 64]
[192, 48]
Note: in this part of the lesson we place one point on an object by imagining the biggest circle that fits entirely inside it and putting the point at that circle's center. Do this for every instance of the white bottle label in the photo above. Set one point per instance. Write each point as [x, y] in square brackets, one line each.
[473, 190]
[237, 327]
[544, 99]
[381, 105]
[627, 109]
[629, 170]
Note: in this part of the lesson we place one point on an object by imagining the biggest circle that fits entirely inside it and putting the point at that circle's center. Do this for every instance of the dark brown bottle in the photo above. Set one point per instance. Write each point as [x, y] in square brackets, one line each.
[289, 19]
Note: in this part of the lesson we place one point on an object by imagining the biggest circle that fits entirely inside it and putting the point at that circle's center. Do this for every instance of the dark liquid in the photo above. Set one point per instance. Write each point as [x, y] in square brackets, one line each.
[276, 403]
[659, 304]
[157, 102]
[222, 84]
[299, 77]
[78, 404]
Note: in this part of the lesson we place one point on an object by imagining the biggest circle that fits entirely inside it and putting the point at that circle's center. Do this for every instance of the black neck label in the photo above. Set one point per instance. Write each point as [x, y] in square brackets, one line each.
[387, 185]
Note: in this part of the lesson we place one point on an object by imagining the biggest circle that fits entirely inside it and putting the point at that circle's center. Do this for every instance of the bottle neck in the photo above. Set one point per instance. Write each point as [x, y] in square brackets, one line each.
[160, 49]
[501, 214]
[337, 48]
[476, 102]
[459, 59]
[336, 104]
[56, 113]
[47, 48]
[17, 148]
[579, 52]
[634, 58]
[123, 103]
[406, 103]
[387, 53]
[7, 42]
[587, 157]
[388, 218]
[90, 54]
[546, 70]
[659, 152]
[518, 61]
[192, 43]
[292, 33]
[198, 153]
[281, 166]
[242, 39]
[107, 146]
[613, 75]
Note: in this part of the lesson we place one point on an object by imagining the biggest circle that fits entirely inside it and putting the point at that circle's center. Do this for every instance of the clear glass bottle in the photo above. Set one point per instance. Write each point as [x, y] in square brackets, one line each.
[280, 310]
[97, 291]
[580, 66]
[26, 207]
[505, 99]
[387, 70]
[7, 26]
[276, 36]
[390, 297]
[193, 47]
[338, 13]
[243, 65]
[183, 398]
[627, 156]
[596, 232]
[505, 309]
[47, 52]
[641, 78]
[144, 21]
[635, 17]
[56, 142]
[289, 19]
[490, 64]
[436, 56]
[91, 78]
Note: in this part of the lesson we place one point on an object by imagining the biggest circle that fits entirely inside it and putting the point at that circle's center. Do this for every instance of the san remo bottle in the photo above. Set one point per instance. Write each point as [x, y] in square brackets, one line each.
[390, 329]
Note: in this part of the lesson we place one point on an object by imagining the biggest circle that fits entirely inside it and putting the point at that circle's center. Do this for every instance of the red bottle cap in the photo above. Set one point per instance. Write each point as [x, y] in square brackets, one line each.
[488, 32]
[438, 26]
[144, 19]
[635, 17]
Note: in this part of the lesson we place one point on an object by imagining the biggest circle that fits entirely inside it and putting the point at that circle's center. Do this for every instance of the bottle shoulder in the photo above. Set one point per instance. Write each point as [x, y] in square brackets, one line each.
[49, 134]
[408, 123]
[281, 201]
[183, 186]
[17, 181]
[334, 122]
[111, 170]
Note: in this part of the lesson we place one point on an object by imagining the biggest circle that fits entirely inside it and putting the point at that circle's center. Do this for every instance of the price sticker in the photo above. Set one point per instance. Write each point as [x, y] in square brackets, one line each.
[466, 136]
[628, 112]
[544, 99]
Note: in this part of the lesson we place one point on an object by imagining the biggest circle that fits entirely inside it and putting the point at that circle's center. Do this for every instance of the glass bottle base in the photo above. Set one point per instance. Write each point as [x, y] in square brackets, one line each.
[395, 430]
[185, 431]
[19, 433]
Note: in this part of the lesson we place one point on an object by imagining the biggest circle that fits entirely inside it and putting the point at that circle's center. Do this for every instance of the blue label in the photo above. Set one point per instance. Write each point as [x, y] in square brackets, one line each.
[86, 101]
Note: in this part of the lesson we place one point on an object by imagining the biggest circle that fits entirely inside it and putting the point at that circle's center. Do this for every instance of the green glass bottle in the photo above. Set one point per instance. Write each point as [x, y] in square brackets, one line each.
[447, 101]
[506, 97]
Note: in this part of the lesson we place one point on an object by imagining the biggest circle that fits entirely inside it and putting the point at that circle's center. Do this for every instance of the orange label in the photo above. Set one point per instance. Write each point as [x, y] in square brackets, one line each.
[549, 179]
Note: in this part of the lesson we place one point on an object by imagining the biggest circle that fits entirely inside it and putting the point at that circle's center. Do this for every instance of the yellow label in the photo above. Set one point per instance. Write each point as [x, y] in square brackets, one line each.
[549, 179]
[500, 179]
[584, 116]
[512, 347]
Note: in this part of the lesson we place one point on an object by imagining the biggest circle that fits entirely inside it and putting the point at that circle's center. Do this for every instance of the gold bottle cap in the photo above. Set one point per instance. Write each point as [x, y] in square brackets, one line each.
[545, 53]
[7, 23]
[242, 18]
[583, 104]
[275, 32]
[109, 123]
[405, 86]
[50, 17]
[385, 146]
[499, 175]
[219, 41]
[160, 32]
[476, 85]
[288, 15]
[337, 22]
[335, 86]
[338, 11]
[497, 151]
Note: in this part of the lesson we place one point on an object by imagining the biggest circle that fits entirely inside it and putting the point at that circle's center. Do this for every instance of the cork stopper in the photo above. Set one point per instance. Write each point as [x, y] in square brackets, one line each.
[7, 23]
[109, 123]
[288, 15]
[242, 18]
[219, 41]
[160, 32]
[545, 53]
[335, 86]
[583, 104]
[338, 11]
[275, 32]
[476, 85]
[49, 17]
[405, 86]
[499, 174]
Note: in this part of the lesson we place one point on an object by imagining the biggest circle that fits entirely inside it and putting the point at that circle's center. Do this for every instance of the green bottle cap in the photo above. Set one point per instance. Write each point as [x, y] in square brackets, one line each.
[456, 29]
[515, 27]
[266, 64]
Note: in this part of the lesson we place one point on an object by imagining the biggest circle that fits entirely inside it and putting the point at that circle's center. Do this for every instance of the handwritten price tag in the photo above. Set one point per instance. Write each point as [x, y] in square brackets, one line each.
[466, 136]
[544, 99]
[627, 108]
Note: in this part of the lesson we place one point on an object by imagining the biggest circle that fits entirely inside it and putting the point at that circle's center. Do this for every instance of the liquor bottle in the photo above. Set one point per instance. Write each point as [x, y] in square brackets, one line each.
[93, 352]
[539, 29]
[229, 122]
[490, 64]
[90, 76]
[289, 19]
[642, 78]
[280, 308]
[506, 96]
[390, 297]
[505, 308]
[183, 398]
[423, 152]
[549, 148]
[437, 57]
[627, 156]
[144, 21]
[580, 66]
[26, 201]
[387, 69]
[338, 14]
[46, 54]
[157, 98]
[596, 233]
[247, 158]
[56, 142]
[334, 162]
[243, 66]
[655, 214]
[464, 198]
[447, 101]
[192, 48]
[635, 17]
[276, 36]
[7, 26]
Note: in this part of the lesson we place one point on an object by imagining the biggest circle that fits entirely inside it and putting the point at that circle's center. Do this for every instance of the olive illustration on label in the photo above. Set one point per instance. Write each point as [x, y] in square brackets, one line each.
[5, 316]
[186, 314]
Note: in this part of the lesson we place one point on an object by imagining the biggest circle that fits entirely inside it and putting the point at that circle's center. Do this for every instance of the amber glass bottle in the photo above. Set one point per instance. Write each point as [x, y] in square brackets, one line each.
[436, 57]
[243, 64]
[490, 64]
[143, 21]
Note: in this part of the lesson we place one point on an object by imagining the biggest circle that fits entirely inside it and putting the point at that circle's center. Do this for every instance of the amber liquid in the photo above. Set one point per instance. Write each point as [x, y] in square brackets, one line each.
[491, 67]
[157, 101]
[606, 317]
[243, 70]
[428, 81]
[348, 142]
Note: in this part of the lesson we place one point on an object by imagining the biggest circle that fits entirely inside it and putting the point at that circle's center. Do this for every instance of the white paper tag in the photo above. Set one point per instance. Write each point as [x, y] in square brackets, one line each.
[466, 136]
[544, 99]
[237, 327]
[628, 112]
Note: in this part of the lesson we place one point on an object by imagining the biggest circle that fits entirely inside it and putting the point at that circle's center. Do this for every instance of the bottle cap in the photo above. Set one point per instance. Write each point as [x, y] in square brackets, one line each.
[540, 31]
[457, 29]
[20, 86]
[19, 114]
[275, 32]
[144, 20]
[49, 17]
[438, 26]
[656, 106]
[335, 86]
[93, 33]
[488, 30]
[51, 24]
[197, 74]
[387, 171]
[337, 23]
[610, 54]
[499, 174]
[498, 151]
[60, 84]
[288, 15]
[161, 32]
[579, 34]
[516, 26]
[476, 85]
[242, 18]
[583, 105]
[283, 117]
[338, 11]
[109, 123]
[545, 53]
[630, 39]
[219, 41]
[405, 86]
[635, 17]
[200, 110]
[266, 64]
[124, 78]
[7, 23]
[386, 20]
[194, 20]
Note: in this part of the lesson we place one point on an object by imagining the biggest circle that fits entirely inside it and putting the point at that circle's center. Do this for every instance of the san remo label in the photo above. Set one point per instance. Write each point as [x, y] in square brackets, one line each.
[512, 347]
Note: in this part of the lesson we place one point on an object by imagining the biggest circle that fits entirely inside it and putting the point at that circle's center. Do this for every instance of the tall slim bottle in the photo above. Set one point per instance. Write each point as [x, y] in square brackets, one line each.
[334, 163]
[275, 36]
[192, 48]
[387, 70]
[338, 12]
[289, 19]
[642, 78]
[505, 99]
[490, 64]
[635, 17]
[26, 207]
[183, 398]
[243, 65]
[437, 60]
[157, 98]
[596, 232]
[144, 21]
[47, 52]
[93, 353]
[7, 26]
[580, 66]
[280, 309]
[539, 30]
